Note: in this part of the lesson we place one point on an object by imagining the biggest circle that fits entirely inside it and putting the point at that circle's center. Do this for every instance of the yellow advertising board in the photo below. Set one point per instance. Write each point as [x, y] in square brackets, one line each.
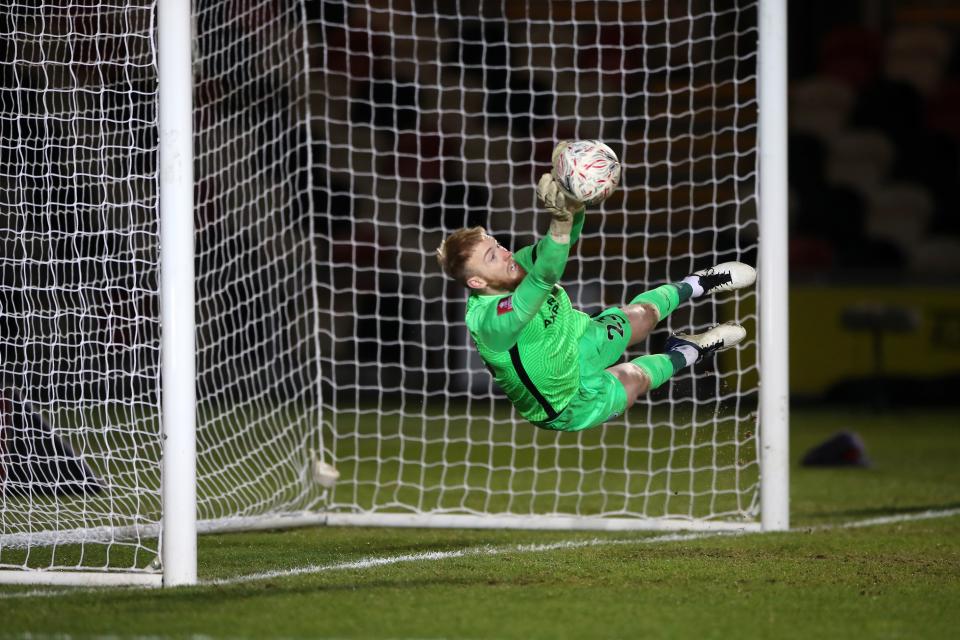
[824, 350]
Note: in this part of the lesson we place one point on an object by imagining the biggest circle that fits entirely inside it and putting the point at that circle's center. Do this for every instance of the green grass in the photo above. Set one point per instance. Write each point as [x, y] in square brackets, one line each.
[899, 580]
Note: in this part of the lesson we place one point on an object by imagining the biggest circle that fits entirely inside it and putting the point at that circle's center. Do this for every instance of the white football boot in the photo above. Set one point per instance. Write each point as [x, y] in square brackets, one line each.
[711, 341]
[726, 276]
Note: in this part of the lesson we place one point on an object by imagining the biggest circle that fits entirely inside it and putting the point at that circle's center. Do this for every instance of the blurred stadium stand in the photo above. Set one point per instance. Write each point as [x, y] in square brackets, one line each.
[875, 214]
[875, 109]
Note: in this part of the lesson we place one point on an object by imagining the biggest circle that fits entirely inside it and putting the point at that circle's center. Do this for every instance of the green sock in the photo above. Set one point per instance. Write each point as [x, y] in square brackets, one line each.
[660, 367]
[666, 297]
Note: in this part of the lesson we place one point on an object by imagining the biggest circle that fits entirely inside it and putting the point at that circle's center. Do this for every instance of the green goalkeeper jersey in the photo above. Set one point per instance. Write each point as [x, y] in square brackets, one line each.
[529, 339]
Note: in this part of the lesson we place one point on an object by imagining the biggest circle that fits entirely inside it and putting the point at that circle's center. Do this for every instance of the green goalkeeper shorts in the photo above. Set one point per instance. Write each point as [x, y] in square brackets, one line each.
[601, 396]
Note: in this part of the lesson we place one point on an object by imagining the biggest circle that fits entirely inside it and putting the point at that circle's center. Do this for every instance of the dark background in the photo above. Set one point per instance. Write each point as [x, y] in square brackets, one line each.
[875, 212]
[874, 166]
[875, 123]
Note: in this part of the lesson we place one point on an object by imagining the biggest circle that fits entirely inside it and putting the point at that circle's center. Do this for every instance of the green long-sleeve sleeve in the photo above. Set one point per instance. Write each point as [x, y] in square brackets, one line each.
[534, 250]
[498, 326]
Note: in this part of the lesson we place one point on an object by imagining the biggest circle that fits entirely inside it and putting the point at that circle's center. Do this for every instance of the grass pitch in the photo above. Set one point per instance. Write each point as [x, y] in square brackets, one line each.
[823, 580]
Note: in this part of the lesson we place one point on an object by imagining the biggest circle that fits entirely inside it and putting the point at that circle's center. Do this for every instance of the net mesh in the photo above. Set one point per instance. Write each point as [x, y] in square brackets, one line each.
[428, 118]
[80, 445]
[79, 289]
[256, 338]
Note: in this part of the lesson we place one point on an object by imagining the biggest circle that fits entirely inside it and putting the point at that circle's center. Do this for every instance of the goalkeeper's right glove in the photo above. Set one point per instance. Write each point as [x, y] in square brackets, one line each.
[557, 201]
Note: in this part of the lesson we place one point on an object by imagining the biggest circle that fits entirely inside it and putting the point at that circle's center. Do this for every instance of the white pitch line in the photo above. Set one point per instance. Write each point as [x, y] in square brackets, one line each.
[894, 519]
[489, 550]
[382, 561]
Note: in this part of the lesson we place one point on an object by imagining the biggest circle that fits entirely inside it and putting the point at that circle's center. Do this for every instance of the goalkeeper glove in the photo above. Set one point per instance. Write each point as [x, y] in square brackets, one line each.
[557, 201]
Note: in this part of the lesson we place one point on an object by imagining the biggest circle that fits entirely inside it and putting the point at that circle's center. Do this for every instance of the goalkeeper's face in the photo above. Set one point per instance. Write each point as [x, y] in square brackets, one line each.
[492, 268]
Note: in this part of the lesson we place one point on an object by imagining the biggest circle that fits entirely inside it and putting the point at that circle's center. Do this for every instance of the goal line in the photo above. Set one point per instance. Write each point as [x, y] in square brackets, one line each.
[487, 550]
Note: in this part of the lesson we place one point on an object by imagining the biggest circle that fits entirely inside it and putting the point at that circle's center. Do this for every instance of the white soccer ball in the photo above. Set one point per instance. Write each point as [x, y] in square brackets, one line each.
[586, 169]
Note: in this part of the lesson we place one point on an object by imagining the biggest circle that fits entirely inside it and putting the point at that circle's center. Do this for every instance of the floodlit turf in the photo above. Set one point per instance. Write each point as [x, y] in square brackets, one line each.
[898, 580]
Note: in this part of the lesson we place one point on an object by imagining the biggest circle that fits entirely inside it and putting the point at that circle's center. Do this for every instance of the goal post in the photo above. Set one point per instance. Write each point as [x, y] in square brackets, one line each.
[219, 291]
[178, 538]
[774, 283]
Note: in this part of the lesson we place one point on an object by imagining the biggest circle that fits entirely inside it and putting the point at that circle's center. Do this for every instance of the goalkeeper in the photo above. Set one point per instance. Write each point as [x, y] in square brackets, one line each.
[556, 364]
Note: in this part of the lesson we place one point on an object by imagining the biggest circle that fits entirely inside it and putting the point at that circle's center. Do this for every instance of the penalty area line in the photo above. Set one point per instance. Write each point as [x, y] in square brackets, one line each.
[491, 550]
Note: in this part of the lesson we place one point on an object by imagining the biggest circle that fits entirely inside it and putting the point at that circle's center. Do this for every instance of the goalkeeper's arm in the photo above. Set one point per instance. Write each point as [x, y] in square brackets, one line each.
[501, 324]
[564, 210]
[499, 328]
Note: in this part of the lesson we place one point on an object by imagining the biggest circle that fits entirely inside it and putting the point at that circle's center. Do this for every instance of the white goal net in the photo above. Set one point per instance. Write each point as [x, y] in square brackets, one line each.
[336, 144]
[427, 118]
[80, 445]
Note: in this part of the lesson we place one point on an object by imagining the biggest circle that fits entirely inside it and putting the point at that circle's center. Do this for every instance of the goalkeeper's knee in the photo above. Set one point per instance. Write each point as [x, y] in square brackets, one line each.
[665, 298]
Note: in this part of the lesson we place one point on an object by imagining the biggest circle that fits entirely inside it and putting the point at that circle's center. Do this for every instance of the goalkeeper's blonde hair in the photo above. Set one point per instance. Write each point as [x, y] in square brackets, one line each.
[453, 253]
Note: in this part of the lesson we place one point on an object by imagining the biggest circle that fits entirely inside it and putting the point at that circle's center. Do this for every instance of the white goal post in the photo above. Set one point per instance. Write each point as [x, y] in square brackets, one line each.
[178, 327]
[220, 305]
[774, 283]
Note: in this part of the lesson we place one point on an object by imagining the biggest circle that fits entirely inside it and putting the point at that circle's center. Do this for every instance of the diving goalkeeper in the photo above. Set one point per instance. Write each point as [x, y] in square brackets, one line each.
[557, 364]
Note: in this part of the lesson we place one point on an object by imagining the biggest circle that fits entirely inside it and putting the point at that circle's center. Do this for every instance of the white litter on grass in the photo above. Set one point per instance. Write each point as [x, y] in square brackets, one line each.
[489, 550]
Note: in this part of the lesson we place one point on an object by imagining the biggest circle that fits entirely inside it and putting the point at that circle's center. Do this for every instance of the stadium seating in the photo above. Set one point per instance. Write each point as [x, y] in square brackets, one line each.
[880, 115]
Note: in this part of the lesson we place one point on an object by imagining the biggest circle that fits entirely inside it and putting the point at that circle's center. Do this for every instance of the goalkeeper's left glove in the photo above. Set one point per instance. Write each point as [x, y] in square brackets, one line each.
[557, 201]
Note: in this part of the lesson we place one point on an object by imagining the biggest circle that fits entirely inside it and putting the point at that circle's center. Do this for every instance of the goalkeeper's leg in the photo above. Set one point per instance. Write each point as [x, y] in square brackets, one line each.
[650, 307]
[642, 374]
